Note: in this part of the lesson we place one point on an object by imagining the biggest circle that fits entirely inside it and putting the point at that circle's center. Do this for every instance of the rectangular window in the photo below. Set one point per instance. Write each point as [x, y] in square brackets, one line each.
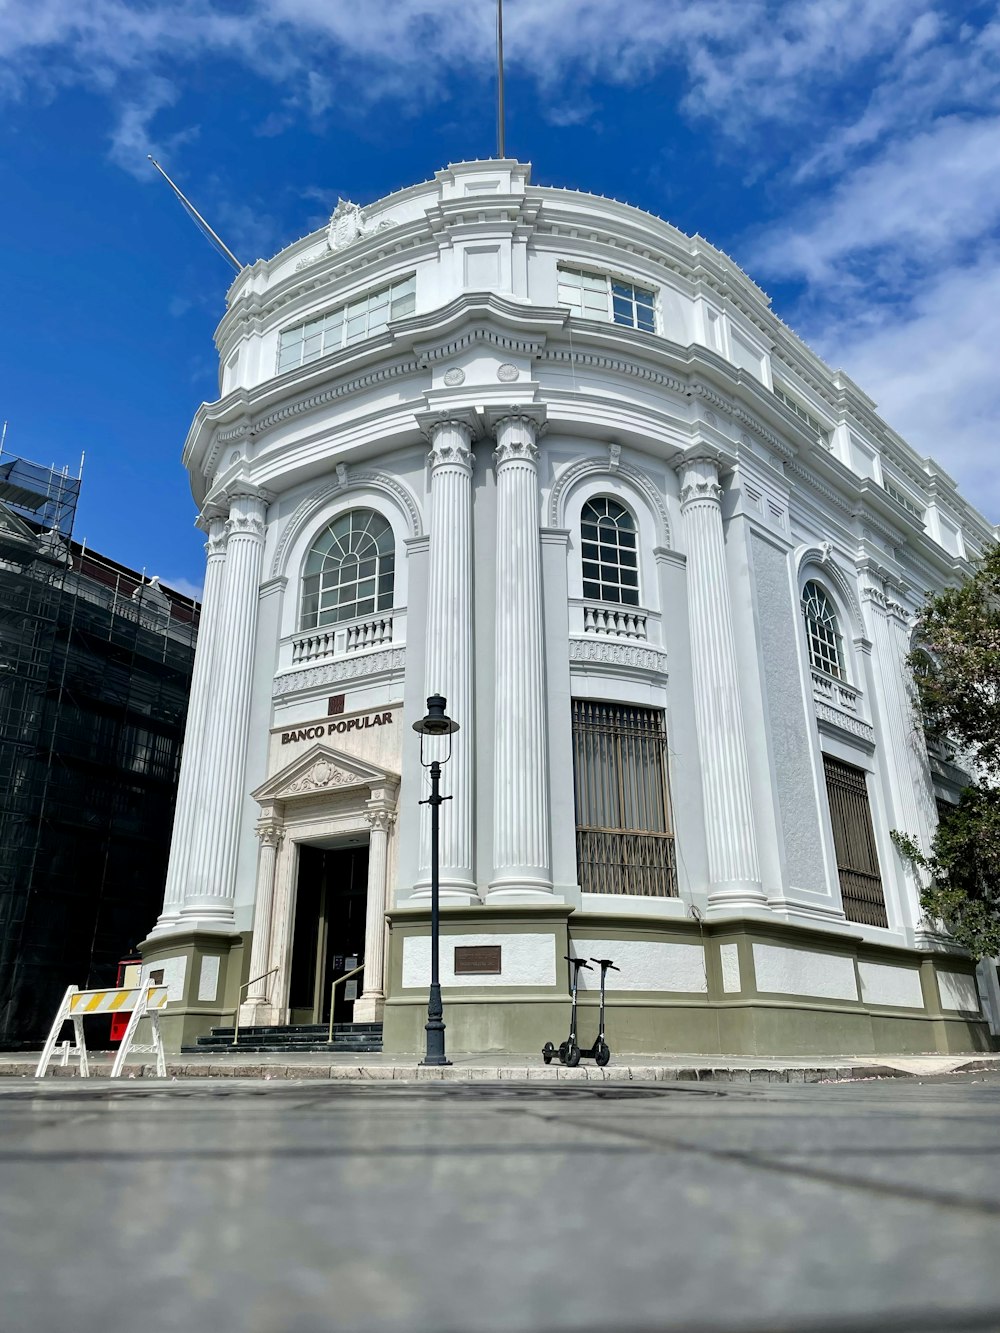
[349, 323]
[854, 841]
[624, 844]
[822, 434]
[598, 296]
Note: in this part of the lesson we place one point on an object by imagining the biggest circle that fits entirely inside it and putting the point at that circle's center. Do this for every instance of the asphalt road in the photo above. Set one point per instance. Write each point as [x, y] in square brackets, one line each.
[217, 1207]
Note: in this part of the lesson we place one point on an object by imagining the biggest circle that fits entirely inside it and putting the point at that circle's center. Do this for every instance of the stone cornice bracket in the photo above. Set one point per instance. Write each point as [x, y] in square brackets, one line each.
[699, 478]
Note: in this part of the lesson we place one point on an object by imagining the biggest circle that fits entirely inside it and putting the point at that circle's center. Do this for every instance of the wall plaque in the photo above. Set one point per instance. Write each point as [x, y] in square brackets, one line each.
[481, 958]
[335, 706]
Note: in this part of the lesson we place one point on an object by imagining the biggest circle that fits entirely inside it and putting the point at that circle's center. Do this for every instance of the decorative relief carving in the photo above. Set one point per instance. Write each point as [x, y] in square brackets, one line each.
[454, 377]
[629, 655]
[347, 225]
[321, 777]
[512, 450]
[456, 454]
[614, 457]
[270, 833]
[380, 819]
[507, 373]
[845, 722]
[700, 490]
[352, 668]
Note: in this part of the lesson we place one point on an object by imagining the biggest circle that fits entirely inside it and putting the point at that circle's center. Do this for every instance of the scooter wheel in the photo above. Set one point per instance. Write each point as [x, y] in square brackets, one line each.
[603, 1054]
[548, 1051]
[572, 1056]
[563, 1048]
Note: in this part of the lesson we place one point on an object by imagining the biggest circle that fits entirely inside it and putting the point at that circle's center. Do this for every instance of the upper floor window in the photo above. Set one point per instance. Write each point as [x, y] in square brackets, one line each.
[822, 434]
[610, 554]
[349, 323]
[822, 631]
[349, 570]
[598, 296]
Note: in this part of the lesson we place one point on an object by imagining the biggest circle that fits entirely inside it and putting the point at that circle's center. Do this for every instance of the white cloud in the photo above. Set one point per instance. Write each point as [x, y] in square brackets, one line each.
[918, 202]
[185, 587]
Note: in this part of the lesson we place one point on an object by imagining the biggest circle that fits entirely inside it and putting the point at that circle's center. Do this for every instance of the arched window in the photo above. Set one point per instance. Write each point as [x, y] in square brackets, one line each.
[822, 631]
[610, 558]
[349, 570]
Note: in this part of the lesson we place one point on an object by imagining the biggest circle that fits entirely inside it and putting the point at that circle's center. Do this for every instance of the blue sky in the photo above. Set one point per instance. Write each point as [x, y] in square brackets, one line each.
[845, 152]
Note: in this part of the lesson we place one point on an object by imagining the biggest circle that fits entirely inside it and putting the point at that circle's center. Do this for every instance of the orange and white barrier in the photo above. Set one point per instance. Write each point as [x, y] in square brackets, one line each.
[142, 1001]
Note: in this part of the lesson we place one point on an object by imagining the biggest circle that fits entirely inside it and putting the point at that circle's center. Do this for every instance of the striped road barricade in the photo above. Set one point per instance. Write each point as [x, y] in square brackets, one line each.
[141, 1001]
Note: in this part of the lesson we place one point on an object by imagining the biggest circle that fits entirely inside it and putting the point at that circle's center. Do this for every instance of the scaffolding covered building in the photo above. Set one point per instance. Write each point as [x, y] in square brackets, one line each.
[95, 669]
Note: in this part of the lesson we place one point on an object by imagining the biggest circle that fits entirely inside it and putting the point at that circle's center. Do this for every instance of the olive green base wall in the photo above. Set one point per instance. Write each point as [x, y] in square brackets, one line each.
[188, 1018]
[747, 1022]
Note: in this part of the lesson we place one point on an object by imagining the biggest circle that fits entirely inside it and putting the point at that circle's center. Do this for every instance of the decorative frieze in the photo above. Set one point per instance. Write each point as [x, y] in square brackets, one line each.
[332, 673]
[602, 653]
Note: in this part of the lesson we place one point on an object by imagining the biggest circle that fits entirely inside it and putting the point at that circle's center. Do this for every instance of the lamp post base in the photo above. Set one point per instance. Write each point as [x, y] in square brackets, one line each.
[434, 1028]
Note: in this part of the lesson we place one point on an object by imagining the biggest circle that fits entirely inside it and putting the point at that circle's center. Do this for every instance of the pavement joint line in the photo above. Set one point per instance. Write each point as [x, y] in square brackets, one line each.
[761, 1162]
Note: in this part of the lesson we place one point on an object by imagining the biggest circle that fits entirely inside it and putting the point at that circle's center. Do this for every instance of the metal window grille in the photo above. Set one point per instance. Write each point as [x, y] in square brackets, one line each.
[624, 842]
[349, 571]
[608, 550]
[854, 841]
[822, 632]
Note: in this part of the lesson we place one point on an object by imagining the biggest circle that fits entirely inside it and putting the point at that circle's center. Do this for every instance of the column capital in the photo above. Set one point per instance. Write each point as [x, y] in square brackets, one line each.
[530, 416]
[382, 820]
[699, 477]
[516, 430]
[211, 513]
[270, 832]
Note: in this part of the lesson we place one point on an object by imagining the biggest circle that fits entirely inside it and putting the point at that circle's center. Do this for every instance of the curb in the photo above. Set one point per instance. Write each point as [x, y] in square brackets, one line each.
[414, 1073]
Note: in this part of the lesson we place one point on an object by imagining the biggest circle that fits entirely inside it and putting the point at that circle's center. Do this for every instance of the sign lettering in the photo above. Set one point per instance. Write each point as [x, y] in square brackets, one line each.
[338, 728]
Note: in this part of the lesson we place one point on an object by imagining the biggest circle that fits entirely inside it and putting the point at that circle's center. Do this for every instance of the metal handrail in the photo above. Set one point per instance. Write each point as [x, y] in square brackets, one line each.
[246, 986]
[336, 983]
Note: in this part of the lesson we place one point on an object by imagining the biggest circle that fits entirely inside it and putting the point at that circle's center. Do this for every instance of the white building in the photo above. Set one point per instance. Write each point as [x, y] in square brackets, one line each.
[542, 453]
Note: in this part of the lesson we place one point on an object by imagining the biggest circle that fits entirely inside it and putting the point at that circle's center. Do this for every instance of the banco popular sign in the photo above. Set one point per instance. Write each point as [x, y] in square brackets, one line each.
[337, 728]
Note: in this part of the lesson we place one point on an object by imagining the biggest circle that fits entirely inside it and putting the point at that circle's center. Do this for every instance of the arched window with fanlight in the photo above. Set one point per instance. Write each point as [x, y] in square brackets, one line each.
[349, 570]
[826, 651]
[609, 552]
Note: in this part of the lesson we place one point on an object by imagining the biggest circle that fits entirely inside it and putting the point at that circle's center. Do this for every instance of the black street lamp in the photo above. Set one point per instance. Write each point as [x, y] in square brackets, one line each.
[436, 723]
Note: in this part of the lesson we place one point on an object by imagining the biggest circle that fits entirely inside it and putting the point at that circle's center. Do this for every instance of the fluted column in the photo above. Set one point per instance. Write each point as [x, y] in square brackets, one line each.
[269, 833]
[368, 1009]
[733, 869]
[521, 855]
[210, 888]
[448, 664]
[194, 754]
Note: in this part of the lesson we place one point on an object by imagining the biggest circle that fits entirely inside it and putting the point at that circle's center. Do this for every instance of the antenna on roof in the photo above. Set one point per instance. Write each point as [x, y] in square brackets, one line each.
[198, 220]
[500, 117]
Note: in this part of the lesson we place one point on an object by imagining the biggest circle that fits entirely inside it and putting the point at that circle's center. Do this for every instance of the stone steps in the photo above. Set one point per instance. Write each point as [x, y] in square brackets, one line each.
[348, 1038]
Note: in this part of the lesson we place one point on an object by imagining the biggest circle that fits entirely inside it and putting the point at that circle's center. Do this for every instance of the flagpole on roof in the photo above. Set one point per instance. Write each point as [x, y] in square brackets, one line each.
[500, 115]
[199, 221]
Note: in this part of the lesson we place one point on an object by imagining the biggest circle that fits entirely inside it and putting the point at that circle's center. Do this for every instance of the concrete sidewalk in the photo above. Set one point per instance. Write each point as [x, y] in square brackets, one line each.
[527, 1067]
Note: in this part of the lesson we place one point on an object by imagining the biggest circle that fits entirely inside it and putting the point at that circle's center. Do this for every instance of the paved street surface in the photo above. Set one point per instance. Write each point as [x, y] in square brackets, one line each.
[213, 1206]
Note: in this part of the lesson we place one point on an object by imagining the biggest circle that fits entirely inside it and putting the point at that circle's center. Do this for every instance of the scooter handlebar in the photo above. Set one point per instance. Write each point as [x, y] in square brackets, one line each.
[578, 962]
[606, 962]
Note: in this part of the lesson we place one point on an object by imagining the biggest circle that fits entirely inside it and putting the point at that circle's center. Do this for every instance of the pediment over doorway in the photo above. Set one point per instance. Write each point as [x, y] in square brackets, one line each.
[323, 769]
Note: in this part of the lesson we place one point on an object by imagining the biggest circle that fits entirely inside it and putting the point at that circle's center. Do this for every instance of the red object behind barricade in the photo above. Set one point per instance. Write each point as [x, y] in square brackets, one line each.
[129, 974]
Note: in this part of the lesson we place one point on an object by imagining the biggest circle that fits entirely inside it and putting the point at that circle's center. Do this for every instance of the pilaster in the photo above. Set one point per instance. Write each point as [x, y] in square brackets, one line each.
[257, 1009]
[521, 845]
[368, 1008]
[733, 867]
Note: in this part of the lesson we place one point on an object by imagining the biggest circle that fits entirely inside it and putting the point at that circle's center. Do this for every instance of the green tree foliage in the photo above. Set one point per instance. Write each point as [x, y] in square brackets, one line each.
[958, 686]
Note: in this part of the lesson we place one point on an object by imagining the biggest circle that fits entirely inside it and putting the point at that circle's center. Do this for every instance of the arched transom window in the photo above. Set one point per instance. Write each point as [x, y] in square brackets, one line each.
[349, 570]
[610, 557]
[822, 631]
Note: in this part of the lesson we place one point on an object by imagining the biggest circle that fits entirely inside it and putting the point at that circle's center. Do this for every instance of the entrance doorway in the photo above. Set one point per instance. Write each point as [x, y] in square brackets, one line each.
[329, 939]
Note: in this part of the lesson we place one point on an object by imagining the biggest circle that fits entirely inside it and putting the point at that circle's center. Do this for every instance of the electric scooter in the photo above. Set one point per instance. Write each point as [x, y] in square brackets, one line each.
[600, 1052]
[569, 1052]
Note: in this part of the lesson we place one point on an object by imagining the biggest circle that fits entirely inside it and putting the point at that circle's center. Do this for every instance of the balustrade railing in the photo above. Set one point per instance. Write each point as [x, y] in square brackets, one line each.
[837, 693]
[620, 621]
[334, 640]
